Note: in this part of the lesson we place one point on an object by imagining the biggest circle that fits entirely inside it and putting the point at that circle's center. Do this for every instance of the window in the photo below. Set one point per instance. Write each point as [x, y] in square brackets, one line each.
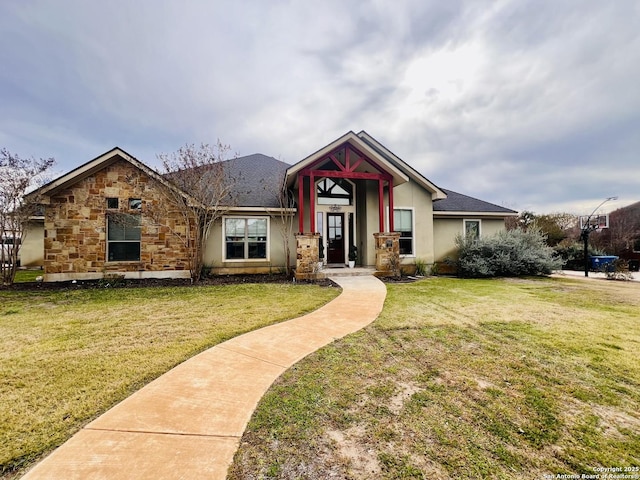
[123, 238]
[334, 191]
[112, 203]
[636, 245]
[472, 229]
[403, 223]
[245, 238]
[135, 204]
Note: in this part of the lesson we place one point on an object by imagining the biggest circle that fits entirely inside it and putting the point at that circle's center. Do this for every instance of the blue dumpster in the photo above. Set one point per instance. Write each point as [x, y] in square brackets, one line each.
[603, 263]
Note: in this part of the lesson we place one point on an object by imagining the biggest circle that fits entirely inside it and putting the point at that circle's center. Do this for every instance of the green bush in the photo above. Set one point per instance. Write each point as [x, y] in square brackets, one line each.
[509, 253]
[572, 254]
[422, 268]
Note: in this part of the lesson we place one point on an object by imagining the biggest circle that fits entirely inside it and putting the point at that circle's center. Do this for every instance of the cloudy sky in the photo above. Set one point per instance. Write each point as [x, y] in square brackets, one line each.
[528, 104]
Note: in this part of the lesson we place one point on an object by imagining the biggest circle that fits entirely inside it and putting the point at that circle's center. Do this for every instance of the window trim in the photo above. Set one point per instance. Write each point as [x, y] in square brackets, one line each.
[108, 242]
[245, 260]
[413, 253]
[464, 226]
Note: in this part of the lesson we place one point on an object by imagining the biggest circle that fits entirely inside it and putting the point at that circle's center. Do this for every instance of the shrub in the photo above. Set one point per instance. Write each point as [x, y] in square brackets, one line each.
[572, 254]
[510, 253]
[619, 271]
[422, 269]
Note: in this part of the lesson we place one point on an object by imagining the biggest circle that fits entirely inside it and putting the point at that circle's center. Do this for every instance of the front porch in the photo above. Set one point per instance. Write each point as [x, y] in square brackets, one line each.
[345, 202]
[328, 272]
[310, 265]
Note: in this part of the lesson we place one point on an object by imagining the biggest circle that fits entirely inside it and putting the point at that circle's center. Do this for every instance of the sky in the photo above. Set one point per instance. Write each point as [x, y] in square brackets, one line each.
[529, 104]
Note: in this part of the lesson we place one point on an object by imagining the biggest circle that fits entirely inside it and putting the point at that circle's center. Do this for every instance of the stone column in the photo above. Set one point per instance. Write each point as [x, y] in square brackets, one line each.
[387, 253]
[307, 255]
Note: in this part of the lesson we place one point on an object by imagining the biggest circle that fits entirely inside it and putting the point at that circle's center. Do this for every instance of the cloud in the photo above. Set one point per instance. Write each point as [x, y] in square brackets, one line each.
[531, 104]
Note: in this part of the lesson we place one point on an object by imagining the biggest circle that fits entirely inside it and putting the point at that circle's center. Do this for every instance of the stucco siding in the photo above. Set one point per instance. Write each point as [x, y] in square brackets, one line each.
[446, 230]
[491, 226]
[32, 247]
[412, 196]
[214, 253]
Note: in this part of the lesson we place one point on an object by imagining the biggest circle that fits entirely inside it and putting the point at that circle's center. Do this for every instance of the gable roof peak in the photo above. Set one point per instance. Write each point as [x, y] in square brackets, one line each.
[92, 166]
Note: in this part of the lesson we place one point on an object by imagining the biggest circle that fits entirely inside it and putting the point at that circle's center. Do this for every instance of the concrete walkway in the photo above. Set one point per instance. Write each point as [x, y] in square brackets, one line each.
[187, 423]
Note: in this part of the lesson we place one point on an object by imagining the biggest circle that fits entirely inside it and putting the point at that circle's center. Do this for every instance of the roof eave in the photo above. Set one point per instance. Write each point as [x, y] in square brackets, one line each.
[461, 213]
[269, 210]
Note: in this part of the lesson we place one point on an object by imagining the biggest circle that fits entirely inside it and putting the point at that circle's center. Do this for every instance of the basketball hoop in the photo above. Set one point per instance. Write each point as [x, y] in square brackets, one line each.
[589, 223]
[594, 222]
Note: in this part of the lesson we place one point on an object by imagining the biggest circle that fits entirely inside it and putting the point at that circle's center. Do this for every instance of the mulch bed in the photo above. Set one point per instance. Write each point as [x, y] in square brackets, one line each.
[179, 282]
[158, 282]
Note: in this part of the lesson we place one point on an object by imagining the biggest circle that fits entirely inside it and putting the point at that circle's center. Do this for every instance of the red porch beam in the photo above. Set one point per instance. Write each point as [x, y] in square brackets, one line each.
[338, 164]
[312, 204]
[357, 164]
[391, 225]
[381, 205]
[300, 203]
[353, 175]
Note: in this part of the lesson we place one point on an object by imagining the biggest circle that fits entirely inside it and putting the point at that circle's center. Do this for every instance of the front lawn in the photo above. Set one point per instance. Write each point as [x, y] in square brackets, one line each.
[26, 275]
[463, 379]
[66, 356]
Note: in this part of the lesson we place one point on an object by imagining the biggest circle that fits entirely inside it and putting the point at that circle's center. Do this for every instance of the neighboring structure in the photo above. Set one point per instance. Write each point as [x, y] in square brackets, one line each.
[32, 246]
[352, 192]
[622, 238]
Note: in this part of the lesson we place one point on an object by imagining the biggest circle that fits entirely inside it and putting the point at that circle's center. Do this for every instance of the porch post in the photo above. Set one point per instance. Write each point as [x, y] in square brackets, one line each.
[381, 205]
[300, 203]
[391, 224]
[312, 204]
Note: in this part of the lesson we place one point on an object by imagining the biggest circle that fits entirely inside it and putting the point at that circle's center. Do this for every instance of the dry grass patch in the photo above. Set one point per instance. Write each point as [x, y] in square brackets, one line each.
[67, 356]
[463, 379]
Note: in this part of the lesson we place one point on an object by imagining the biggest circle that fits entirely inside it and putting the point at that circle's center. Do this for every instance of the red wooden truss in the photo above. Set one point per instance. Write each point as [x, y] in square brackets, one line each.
[345, 160]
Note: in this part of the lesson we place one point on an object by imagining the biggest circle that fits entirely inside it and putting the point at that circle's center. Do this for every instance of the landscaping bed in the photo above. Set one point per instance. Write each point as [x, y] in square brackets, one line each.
[116, 282]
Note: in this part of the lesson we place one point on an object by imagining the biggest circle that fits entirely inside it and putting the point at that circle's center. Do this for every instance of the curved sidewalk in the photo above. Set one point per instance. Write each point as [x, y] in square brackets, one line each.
[187, 423]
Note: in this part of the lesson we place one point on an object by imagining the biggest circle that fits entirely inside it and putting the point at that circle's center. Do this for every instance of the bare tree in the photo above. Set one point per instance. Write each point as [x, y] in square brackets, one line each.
[205, 191]
[555, 226]
[623, 231]
[284, 216]
[17, 176]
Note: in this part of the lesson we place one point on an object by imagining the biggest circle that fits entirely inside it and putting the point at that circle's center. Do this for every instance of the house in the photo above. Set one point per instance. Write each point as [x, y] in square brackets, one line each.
[351, 192]
[622, 237]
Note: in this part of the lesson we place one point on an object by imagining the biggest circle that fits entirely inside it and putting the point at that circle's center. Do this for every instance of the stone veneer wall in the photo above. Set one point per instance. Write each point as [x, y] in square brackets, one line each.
[387, 253]
[76, 222]
[308, 255]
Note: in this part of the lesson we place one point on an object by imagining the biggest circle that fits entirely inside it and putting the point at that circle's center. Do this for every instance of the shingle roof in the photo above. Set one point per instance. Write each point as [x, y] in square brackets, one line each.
[258, 178]
[457, 202]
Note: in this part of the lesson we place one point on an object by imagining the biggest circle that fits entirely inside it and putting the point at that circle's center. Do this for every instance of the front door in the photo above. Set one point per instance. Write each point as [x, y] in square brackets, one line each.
[335, 238]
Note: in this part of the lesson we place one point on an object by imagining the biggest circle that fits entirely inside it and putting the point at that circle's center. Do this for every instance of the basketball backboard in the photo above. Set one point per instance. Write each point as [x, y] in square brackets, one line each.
[595, 222]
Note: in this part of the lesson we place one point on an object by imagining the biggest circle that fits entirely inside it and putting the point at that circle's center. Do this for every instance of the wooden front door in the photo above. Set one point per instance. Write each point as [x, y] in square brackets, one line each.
[335, 238]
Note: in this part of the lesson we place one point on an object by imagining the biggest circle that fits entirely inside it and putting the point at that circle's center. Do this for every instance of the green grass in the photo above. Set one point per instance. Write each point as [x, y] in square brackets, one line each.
[67, 356]
[27, 275]
[463, 379]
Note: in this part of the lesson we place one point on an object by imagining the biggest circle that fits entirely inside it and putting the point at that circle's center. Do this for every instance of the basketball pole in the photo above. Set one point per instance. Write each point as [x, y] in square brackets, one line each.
[586, 230]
